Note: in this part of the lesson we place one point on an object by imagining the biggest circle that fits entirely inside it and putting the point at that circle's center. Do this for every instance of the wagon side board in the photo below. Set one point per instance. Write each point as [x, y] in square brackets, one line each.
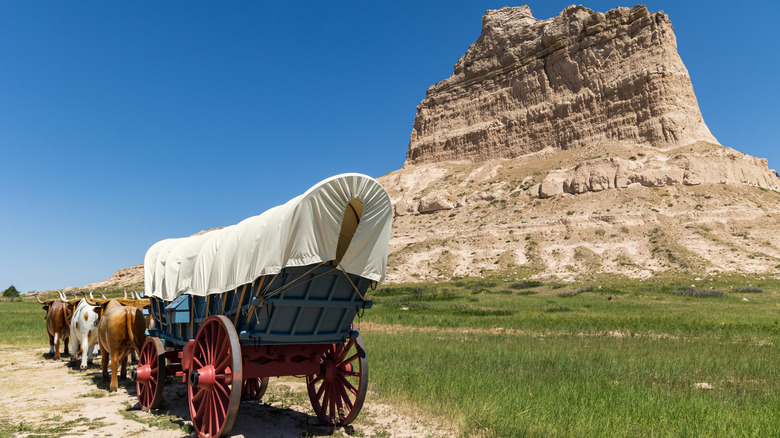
[300, 305]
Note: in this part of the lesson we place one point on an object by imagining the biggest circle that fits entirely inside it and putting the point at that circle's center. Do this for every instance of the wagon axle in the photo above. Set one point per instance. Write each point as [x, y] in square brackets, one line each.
[203, 378]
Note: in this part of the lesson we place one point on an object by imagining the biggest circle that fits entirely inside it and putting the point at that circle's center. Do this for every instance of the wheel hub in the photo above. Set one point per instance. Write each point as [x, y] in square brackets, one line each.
[203, 378]
[142, 374]
[330, 371]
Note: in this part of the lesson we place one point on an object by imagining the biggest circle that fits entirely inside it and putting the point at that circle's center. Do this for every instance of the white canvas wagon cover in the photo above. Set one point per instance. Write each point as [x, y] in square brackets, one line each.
[305, 230]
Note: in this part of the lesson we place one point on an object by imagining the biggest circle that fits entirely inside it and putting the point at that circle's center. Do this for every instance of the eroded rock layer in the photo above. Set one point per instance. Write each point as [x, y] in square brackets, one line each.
[724, 166]
[579, 78]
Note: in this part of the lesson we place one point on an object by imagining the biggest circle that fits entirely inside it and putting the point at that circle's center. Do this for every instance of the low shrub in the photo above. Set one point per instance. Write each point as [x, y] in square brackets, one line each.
[693, 292]
[527, 284]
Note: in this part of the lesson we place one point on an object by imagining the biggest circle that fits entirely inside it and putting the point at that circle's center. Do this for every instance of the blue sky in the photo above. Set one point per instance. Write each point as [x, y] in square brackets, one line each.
[124, 123]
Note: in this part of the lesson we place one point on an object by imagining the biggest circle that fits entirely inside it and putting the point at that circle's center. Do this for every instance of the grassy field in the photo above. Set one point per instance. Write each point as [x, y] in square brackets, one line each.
[609, 358]
[670, 357]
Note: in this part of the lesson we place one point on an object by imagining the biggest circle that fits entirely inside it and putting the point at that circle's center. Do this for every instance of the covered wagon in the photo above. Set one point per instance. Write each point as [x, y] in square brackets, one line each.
[274, 295]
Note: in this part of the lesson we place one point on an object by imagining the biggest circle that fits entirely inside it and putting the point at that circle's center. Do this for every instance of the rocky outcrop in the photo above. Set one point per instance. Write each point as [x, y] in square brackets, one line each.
[579, 78]
[123, 277]
[726, 166]
[432, 203]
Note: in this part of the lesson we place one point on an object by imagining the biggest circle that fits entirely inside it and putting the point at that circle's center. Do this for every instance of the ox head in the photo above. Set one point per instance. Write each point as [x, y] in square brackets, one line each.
[99, 307]
[48, 304]
[59, 305]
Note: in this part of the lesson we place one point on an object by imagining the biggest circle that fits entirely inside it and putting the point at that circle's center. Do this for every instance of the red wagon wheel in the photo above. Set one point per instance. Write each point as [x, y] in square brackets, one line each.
[254, 388]
[338, 391]
[149, 376]
[214, 390]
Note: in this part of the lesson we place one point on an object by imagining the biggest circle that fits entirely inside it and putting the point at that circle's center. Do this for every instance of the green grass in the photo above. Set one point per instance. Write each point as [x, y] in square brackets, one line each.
[22, 323]
[52, 427]
[601, 306]
[602, 357]
[620, 361]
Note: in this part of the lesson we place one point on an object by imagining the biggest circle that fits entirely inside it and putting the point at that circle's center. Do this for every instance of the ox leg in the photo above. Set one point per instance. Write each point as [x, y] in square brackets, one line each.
[56, 346]
[73, 347]
[124, 367]
[51, 345]
[104, 362]
[91, 347]
[86, 352]
[65, 348]
[114, 369]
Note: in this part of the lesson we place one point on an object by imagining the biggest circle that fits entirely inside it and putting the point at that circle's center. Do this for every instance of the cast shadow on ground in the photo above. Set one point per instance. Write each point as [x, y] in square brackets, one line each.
[254, 418]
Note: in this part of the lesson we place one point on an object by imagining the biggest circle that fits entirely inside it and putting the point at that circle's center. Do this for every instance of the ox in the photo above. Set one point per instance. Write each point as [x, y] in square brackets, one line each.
[84, 331]
[120, 332]
[58, 313]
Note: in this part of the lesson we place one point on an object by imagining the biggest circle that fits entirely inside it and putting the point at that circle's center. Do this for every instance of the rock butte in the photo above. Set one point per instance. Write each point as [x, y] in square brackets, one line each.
[579, 78]
[571, 146]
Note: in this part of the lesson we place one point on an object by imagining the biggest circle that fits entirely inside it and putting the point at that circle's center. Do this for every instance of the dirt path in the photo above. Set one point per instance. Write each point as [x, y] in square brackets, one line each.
[45, 397]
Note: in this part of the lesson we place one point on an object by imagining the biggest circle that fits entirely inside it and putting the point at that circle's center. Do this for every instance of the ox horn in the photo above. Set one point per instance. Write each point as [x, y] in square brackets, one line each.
[90, 296]
[39, 300]
[86, 298]
[103, 296]
[62, 296]
[125, 293]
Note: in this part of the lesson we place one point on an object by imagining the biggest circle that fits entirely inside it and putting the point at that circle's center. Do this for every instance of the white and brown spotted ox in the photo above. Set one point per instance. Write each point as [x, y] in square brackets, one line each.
[58, 315]
[84, 331]
[120, 332]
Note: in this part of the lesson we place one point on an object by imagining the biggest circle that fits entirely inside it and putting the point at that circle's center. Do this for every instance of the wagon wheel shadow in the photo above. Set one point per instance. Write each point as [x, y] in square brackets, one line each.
[252, 415]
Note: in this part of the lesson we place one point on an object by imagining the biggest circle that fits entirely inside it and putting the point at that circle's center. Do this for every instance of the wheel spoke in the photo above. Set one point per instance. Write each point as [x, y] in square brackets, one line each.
[317, 380]
[225, 363]
[346, 399]
[346, 362]
[344, 350]
[200, 350]
[336, 356]
[219, 404]
[345, 383]
[210, 335]
[321, 390]
[221, 346]
[206, 420]
[216, 418]
[332, 399]
[198, 395]
[339, 408]
[201, 406]
[222, 389]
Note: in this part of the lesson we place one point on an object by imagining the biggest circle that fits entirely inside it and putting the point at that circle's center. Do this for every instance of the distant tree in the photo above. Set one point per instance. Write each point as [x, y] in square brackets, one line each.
[11, 292]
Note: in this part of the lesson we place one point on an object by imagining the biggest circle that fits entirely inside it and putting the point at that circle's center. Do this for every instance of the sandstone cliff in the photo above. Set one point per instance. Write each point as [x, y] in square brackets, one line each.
[130, 276]
[720, 166]
[579, 78]
[705, 210]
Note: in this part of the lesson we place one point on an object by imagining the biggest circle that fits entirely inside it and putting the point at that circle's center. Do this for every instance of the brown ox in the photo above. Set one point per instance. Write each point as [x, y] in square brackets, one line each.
[120, 332]
[58, 314]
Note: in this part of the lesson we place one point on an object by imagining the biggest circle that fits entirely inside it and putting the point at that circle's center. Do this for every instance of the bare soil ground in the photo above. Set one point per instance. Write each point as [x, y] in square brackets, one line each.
[43, 397]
